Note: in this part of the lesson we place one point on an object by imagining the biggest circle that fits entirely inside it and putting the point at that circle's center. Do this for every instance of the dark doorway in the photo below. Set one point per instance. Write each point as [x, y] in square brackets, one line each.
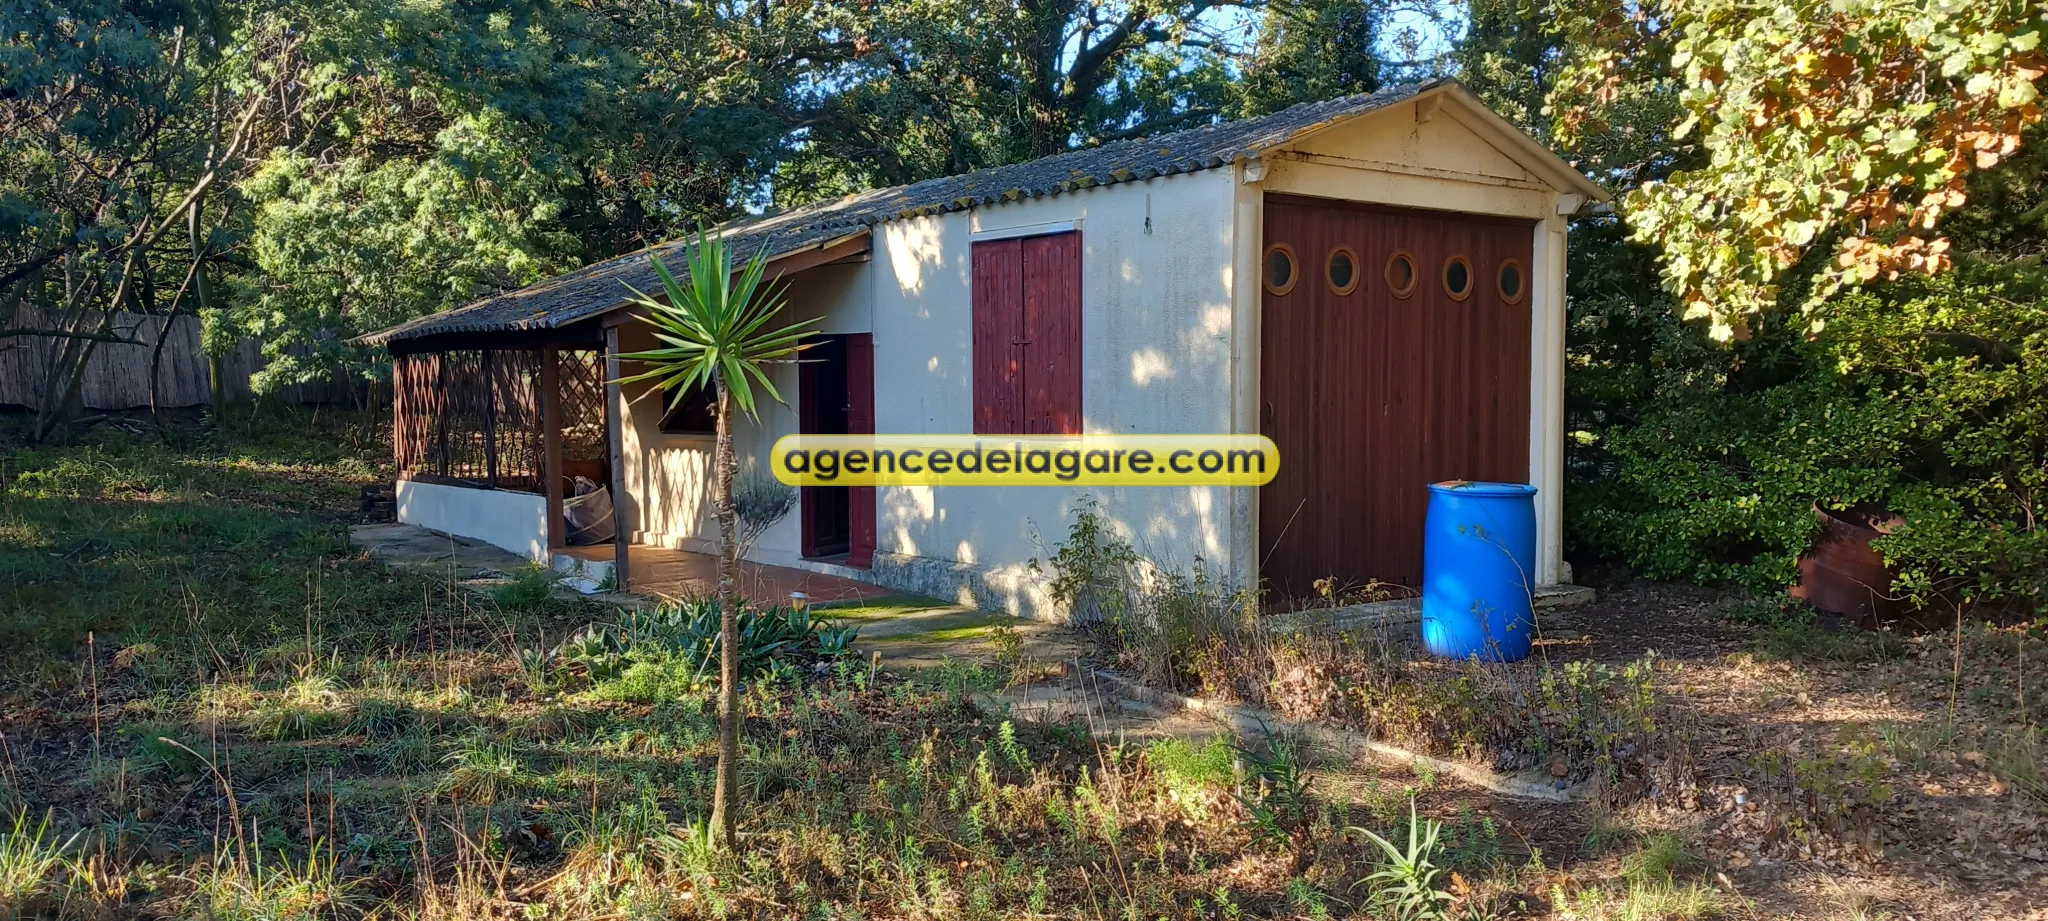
[822, 409]
[836, 396]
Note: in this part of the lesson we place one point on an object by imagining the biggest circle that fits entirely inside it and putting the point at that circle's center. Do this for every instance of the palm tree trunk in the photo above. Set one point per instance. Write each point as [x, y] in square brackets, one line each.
[724, 819]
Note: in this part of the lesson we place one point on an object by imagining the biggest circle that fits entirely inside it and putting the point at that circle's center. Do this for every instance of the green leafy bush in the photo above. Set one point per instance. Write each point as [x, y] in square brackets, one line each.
[684, 639]
[1693, 460]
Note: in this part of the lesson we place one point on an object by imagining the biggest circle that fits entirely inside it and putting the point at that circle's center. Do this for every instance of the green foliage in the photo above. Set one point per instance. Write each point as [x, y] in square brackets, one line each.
[758, 502]
[1597, 715]
[484, 771]
[1924, 396]
[1170, 625]
[1310, 50]
[681, 641]
[29, 859]
[711, 324]
[1282, 808]
[1664, 857]
[1178, 761]
[1404, 886]
[1091, 567]
[1850, 127]
[1799, 636]
[349, 247]
[531, 588]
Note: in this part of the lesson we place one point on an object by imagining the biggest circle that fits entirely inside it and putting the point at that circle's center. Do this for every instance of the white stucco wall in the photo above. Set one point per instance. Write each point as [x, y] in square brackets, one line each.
[1156, 302]
[516, 521]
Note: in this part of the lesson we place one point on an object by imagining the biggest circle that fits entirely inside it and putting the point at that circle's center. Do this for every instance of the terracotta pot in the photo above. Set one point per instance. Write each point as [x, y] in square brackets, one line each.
[1843, 574]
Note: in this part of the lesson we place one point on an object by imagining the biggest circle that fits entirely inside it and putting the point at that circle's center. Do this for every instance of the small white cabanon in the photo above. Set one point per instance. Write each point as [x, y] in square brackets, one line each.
[1375, 282]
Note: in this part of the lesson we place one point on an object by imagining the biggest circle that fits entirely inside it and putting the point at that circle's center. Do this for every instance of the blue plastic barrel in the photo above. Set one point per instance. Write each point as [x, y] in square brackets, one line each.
[1478, 570]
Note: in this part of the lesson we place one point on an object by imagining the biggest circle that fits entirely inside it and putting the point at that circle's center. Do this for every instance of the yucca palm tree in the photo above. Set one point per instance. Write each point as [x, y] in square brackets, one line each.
[715, 334]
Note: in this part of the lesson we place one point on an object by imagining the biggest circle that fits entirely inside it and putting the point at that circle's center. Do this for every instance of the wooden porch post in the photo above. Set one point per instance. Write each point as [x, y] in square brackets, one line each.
[551, 442]
[490, 421]
[615, 417]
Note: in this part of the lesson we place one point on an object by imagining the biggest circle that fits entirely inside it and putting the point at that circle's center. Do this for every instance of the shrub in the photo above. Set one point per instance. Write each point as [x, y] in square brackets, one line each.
[685, 637]
[1170, 626]
[1693, 460]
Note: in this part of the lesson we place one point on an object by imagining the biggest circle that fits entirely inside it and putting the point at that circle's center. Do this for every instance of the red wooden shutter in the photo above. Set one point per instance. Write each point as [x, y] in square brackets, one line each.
[998, 290]
[860, 420]
[1052, 322]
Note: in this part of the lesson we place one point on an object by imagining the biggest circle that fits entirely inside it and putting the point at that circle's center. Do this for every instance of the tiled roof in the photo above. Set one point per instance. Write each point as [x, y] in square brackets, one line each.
[599, 287]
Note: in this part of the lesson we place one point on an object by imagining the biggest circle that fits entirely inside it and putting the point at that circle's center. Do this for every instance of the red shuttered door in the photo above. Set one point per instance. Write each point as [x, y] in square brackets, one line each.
[1052, 318]
[1027, 335]
[998, 333]
[860, 420]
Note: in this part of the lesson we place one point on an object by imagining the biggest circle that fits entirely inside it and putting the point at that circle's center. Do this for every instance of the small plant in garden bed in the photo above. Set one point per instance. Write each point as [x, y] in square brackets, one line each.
[1188, 631]
[686, 634]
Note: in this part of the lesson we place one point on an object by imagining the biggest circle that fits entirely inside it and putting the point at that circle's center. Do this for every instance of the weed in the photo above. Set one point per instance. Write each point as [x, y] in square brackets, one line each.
[531, 588]
[2019, 756]
[1800, 636]
[302, 710]
[1472, 842]
[688, 634]
[1307, 899]
[1280, 803]
[381, 717]
[1181, 764]
[275, 890]
[29, 860]
[407, 753]
[484, 772]
[1606, 834]
[1663, 858]
[1404, 887]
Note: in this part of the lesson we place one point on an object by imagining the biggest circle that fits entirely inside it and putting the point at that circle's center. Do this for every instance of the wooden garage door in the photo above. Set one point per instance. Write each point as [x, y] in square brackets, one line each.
[1372, 396]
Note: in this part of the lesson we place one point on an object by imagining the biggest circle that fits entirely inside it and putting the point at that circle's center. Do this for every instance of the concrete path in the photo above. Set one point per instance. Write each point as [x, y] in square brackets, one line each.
[409, 547]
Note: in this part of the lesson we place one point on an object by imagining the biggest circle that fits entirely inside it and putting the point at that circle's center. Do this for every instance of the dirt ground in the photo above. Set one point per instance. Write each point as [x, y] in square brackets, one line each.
[1902, 813]
[1830, 778]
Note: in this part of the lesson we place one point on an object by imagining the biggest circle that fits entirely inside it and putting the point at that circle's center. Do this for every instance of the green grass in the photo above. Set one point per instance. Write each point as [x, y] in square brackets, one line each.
[957, 633]
[1800, 636]
[295, 730]
[230, 712]
[882, 608]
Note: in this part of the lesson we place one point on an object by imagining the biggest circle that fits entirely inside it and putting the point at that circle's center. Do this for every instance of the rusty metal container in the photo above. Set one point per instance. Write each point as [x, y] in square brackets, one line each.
[1843, 574]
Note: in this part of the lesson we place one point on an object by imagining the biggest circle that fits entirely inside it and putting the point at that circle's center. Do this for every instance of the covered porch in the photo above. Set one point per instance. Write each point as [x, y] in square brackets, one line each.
[509, 428]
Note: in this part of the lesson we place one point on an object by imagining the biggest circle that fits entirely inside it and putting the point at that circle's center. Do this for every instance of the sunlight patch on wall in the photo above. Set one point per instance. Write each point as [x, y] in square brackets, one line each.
[913, 245]
[1148, 365]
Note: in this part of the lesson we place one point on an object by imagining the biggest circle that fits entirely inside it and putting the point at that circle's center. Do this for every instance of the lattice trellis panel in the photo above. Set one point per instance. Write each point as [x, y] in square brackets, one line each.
[469, 416]
[582, 377]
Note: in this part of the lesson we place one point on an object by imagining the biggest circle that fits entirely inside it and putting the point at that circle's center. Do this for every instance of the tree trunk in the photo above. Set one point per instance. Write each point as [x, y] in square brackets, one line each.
[724, 818]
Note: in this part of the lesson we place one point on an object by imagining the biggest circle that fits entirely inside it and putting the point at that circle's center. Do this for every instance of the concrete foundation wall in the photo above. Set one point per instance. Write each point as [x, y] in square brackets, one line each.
[515, 521]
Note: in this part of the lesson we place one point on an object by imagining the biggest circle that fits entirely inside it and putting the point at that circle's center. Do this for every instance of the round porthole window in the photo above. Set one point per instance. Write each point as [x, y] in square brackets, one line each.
[1457, 278]
[1401, 274]
[1512, 284]
[1281, 269]
[1342, 270]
